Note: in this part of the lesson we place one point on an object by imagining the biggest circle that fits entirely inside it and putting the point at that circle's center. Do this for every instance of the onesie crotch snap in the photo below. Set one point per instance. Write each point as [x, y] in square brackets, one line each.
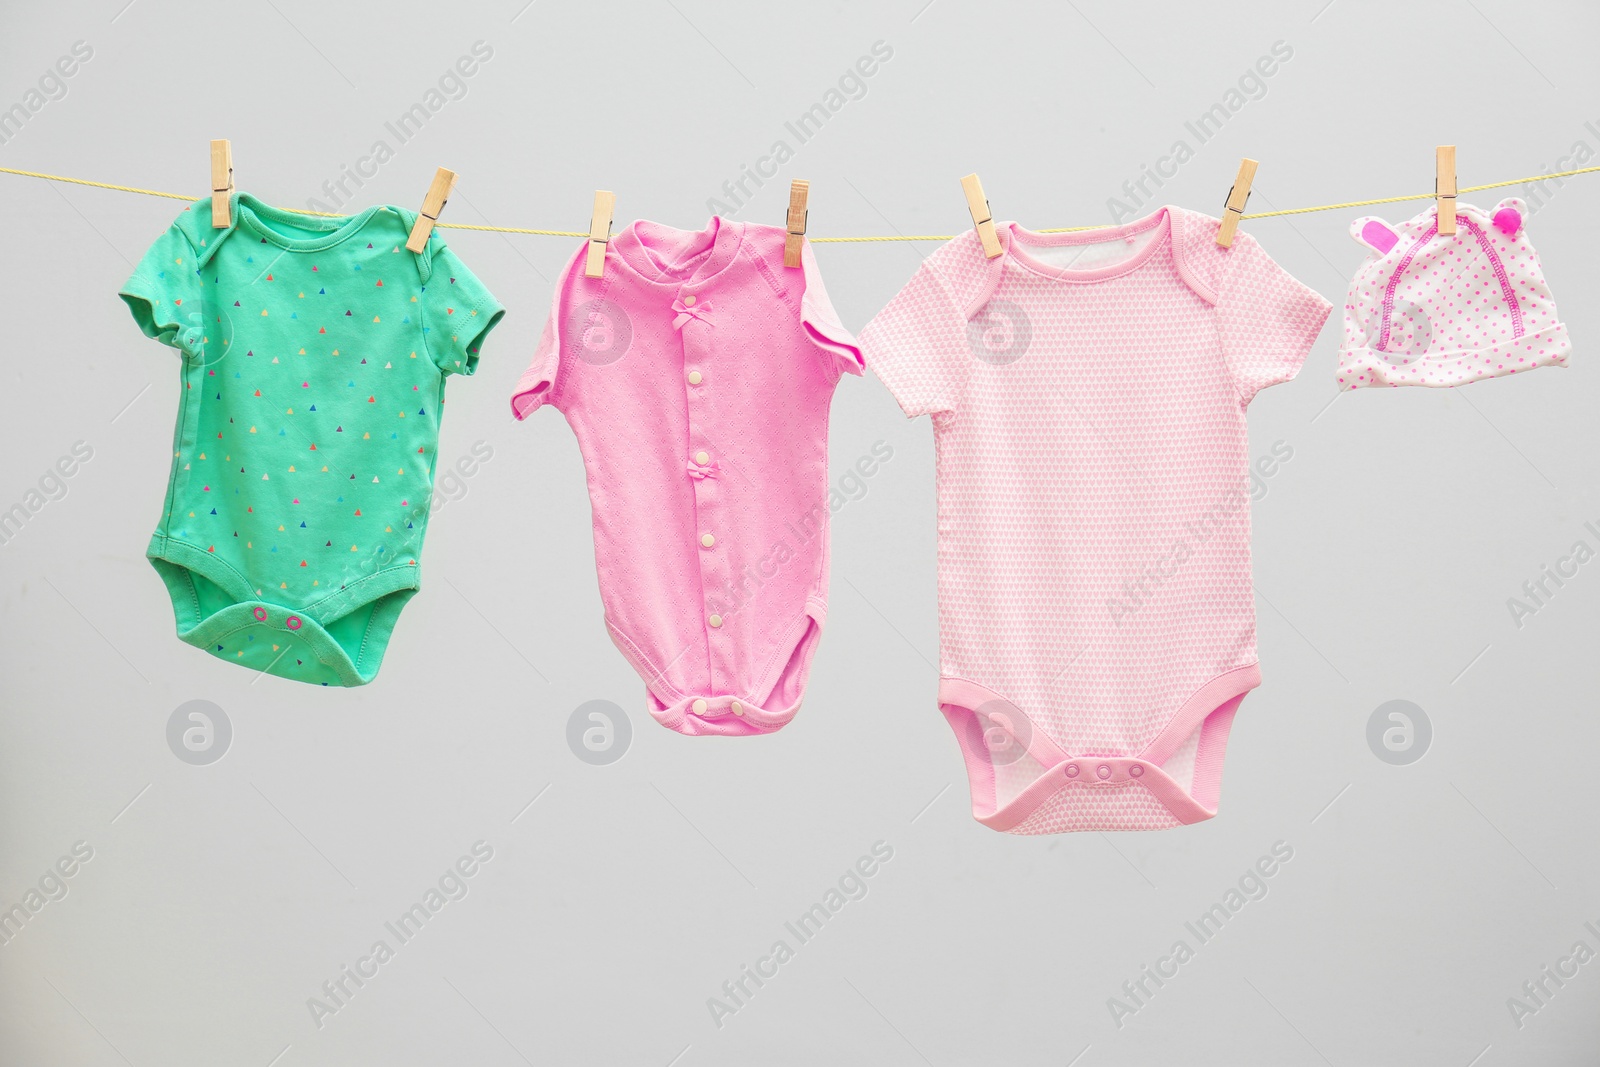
[1093, 771]
[270, 638]
[721, 715]
[717, 707]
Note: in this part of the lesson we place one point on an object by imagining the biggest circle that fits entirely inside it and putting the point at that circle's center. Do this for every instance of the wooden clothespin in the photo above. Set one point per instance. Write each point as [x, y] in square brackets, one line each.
[982, 217]
[1238, 197]
[799, 191]
[1444, 186]
[605, 204]
[444, 182]
[221, 184]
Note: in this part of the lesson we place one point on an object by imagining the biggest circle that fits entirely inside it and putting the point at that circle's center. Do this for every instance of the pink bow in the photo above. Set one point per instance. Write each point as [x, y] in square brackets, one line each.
[698, 471]
[685, 312]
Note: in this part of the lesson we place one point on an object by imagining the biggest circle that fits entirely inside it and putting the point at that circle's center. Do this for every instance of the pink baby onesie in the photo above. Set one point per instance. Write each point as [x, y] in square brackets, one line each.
[1088, 394]
[697, 375]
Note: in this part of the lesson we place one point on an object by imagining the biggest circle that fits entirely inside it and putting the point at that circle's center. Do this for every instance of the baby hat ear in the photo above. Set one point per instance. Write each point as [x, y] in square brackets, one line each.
[1373, 232]
[1509, 215]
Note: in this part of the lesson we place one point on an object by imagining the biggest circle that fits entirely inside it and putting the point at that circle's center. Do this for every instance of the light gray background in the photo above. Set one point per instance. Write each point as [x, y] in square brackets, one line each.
[219, 898]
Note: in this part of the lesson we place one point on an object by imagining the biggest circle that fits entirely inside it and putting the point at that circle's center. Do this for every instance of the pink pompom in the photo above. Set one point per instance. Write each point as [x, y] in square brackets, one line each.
[1508, 220]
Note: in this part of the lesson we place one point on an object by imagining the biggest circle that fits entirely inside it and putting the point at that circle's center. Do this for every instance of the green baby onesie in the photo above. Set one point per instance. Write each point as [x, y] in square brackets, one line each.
[314, 353]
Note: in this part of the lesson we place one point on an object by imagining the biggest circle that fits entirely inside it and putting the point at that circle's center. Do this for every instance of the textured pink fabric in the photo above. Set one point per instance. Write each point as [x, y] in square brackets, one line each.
[697, 375]
[1430, 309]
[1097, 624]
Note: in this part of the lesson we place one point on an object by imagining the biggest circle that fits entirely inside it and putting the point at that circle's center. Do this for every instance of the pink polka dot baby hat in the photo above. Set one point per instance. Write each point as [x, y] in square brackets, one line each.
[1431, 309]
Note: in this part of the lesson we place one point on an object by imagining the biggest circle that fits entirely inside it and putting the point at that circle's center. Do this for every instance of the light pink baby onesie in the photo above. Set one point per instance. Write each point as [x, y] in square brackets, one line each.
[1096, 616]
[697, 375]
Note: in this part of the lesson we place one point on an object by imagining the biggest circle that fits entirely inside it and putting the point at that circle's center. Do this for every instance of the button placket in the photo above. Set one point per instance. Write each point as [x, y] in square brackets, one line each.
[704, 473]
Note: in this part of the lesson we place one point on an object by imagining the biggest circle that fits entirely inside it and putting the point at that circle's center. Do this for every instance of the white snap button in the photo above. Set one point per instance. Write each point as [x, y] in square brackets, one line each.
[702, 458]
[716, 620]
[1104, 770]
[738, 708]
[706, 540]
[694, 377]
[688, 301]
[699, 707]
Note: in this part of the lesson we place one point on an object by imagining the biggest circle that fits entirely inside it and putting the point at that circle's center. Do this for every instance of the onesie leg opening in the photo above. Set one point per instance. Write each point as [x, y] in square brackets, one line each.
[364, 633]
[1211, 747]
[789, 686]
[1007, 757]
[195, 597]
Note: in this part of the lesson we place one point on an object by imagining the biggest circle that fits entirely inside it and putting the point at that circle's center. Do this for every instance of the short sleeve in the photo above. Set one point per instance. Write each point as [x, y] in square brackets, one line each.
[1267, 319]
[457, 314]
[537, 385]
[821, 322]
[917, 345]
[534, 387]
[164, 292]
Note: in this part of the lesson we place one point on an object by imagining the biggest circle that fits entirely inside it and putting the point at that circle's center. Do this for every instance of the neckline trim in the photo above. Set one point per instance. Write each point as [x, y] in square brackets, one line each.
[637, 248]
[1016, 238]
[258, 217]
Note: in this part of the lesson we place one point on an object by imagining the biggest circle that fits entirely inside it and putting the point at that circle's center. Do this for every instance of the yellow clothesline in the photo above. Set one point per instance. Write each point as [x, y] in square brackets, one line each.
[821, 240]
